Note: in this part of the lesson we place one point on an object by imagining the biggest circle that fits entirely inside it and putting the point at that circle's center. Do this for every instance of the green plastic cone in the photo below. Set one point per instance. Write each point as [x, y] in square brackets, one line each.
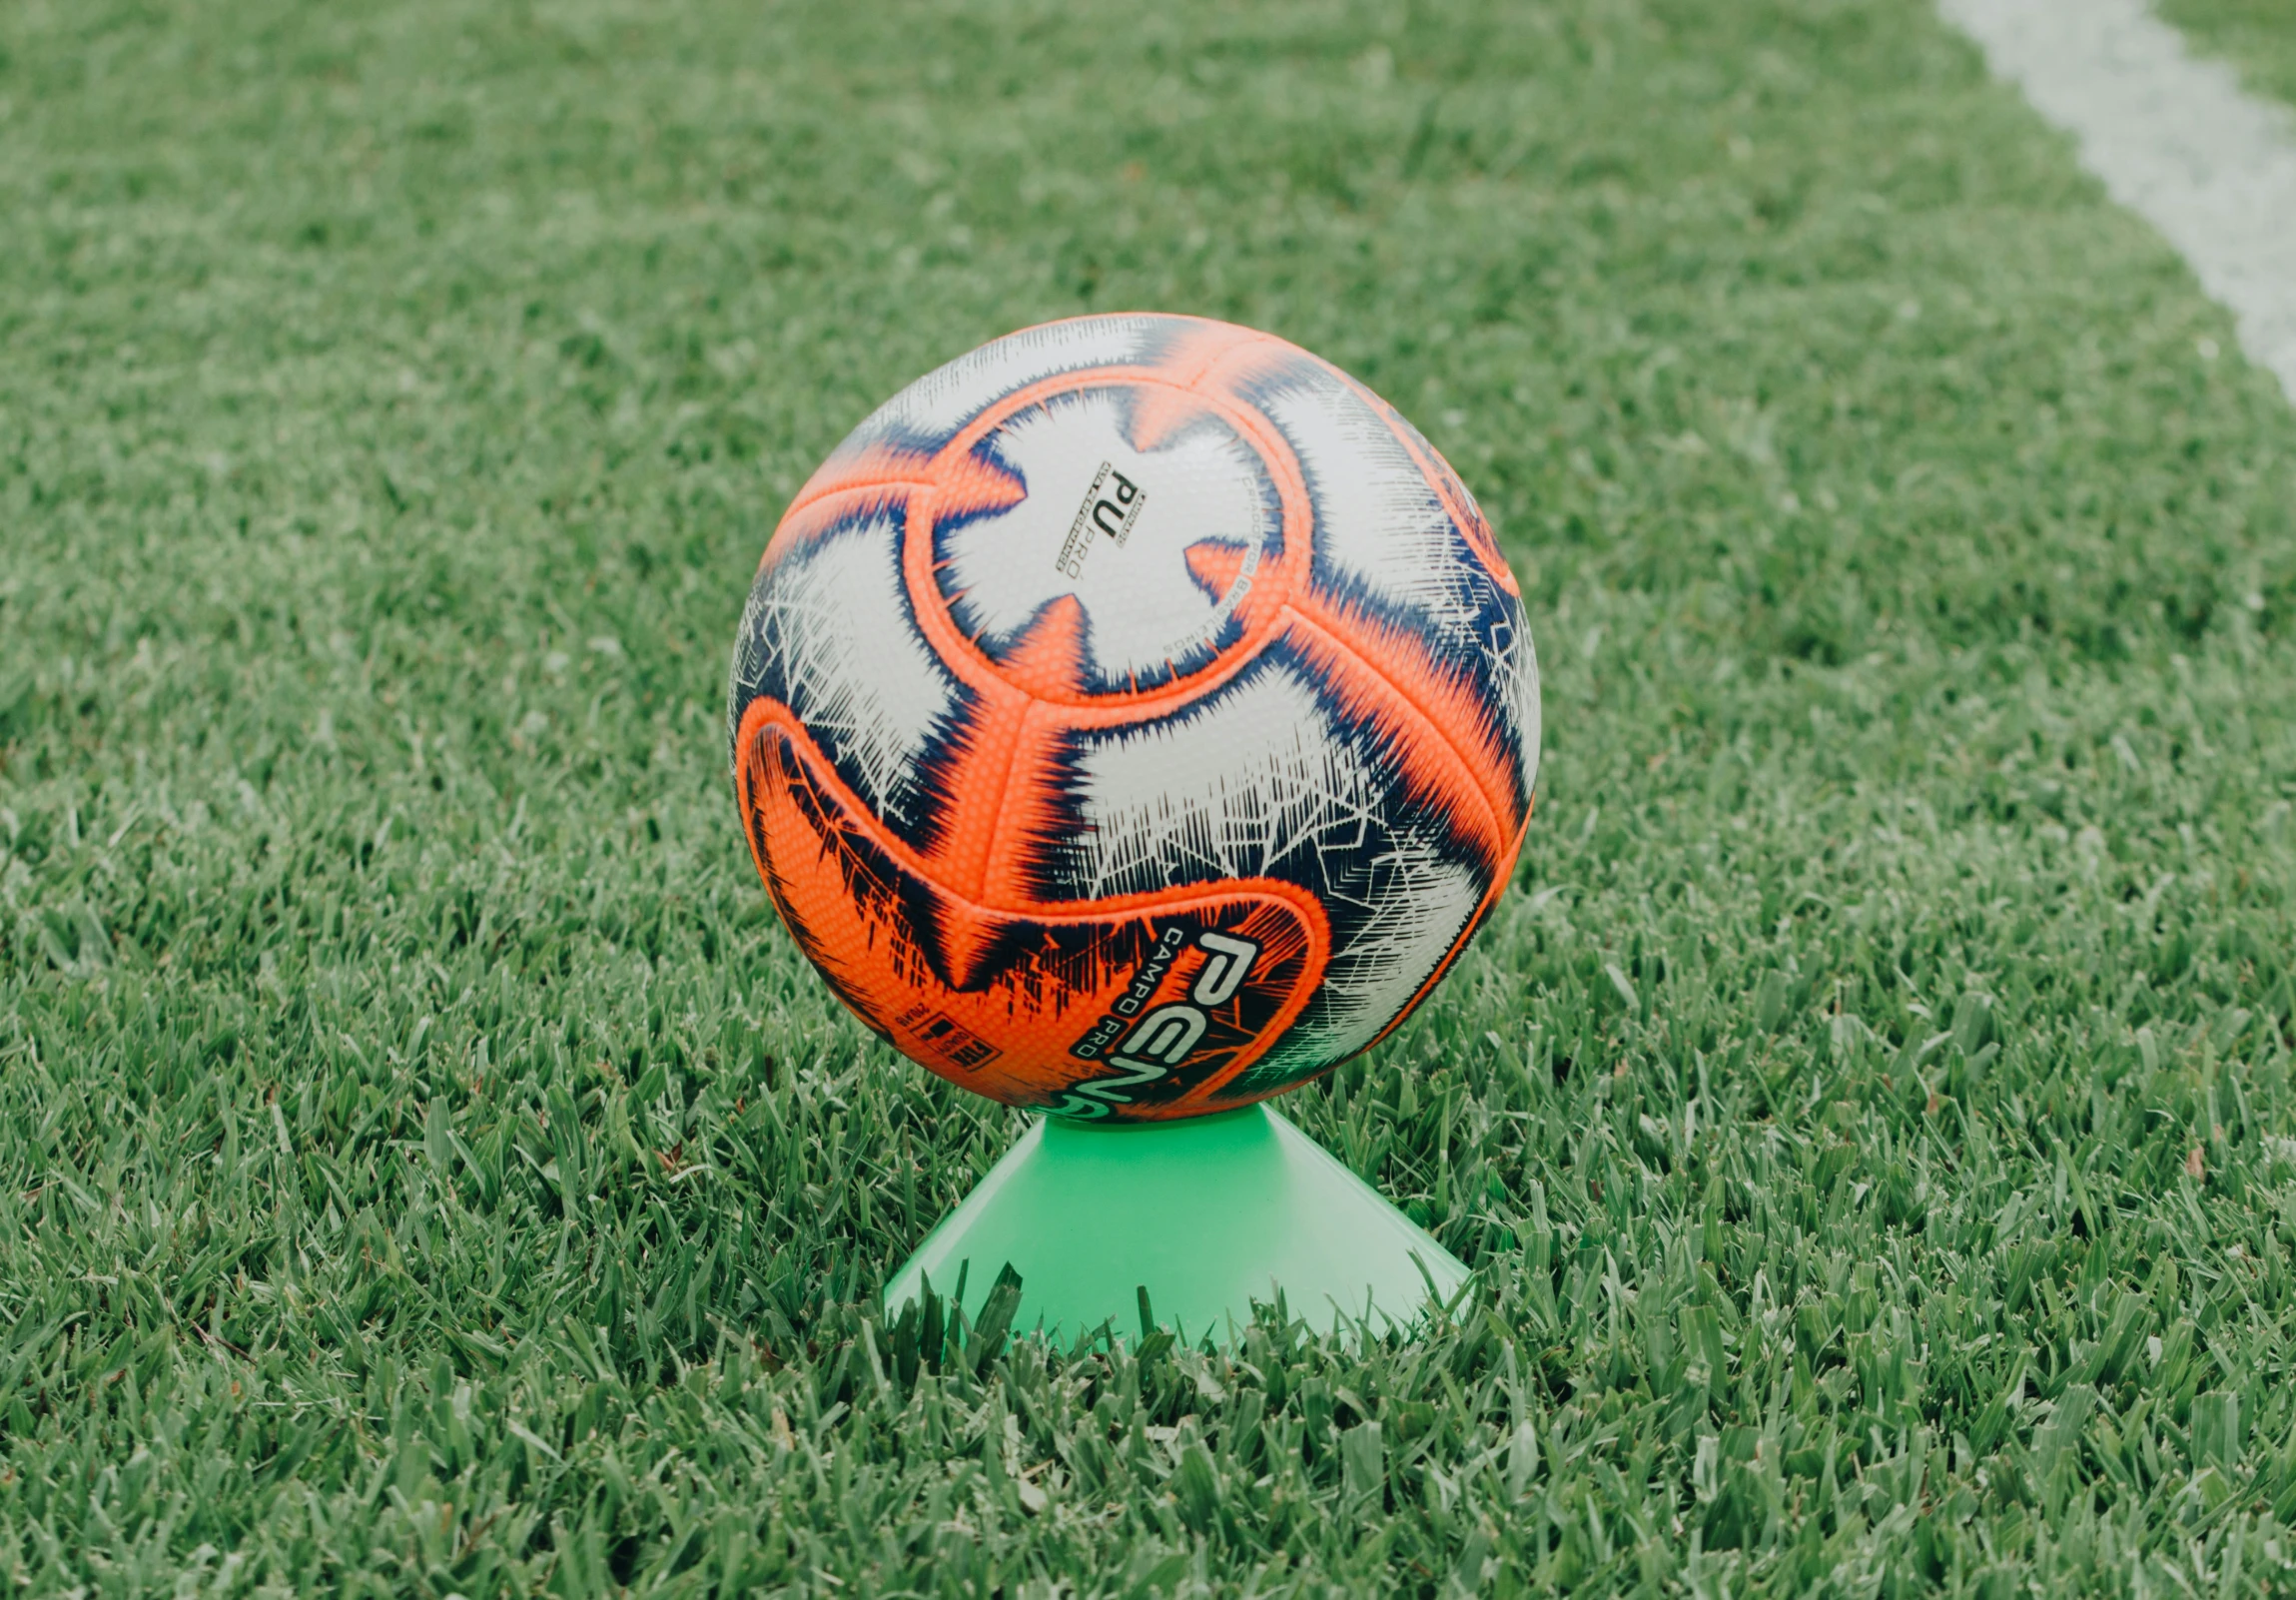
[1207, 1214]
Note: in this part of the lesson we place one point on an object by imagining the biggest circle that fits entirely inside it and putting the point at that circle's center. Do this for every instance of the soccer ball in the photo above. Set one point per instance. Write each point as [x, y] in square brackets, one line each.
[1133, 718]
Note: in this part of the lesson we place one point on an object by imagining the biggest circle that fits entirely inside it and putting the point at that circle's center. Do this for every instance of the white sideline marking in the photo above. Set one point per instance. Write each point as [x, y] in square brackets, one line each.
[2174, 139]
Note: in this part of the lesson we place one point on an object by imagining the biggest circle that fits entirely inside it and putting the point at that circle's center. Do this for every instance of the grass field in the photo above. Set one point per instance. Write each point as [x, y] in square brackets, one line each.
[424, 1165]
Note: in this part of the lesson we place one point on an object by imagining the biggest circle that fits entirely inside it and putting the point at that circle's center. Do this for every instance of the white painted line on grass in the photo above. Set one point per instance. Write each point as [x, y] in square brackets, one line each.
[2174, 139]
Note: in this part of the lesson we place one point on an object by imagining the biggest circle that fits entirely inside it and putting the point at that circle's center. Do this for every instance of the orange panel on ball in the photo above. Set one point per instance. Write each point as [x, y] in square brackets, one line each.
[1133, 1006]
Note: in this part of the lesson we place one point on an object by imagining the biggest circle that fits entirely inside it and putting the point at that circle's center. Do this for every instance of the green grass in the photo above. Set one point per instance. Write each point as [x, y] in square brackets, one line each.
[425, 1168]
[2258, 37]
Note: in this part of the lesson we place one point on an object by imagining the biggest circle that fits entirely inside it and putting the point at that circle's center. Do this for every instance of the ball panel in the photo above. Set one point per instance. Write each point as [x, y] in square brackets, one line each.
[1382, 534]
[1254, 780]
[1502, 647]
[1430, 720]
[1111, 520]
[827, 632]
[1396, 918]
[1130, 1008]
[1271, 777]
[1397, 538]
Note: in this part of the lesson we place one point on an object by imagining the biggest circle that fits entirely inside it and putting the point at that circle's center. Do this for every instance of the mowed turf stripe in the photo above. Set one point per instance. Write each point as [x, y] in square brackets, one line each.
[2174, 139]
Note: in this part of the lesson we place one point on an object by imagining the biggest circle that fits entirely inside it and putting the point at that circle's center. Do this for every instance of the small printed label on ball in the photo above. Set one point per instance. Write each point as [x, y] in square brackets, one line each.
[1111, 507]
[947, 1038]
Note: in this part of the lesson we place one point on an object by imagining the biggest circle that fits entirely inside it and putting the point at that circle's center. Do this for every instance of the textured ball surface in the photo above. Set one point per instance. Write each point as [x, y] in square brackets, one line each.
[1133, 718]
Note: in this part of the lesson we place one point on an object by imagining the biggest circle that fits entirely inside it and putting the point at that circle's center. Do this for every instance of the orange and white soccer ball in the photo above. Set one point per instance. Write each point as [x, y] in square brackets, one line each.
[1133, 718]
